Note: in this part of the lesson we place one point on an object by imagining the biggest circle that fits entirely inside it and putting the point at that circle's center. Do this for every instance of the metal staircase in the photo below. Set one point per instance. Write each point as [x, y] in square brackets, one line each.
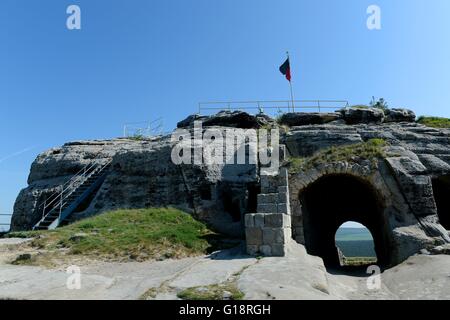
[60, 205]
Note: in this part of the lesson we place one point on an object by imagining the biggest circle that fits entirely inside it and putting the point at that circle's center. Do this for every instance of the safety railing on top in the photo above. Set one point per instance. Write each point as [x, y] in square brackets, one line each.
[144, 128]
[5, 227]
[56, 200]
[274, 106]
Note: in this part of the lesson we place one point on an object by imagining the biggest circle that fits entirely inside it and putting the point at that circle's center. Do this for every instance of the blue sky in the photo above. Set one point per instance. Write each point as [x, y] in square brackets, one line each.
[137, 60]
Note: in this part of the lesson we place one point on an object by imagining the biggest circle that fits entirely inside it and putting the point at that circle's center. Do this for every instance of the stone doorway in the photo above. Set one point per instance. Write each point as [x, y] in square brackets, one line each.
[334, 199]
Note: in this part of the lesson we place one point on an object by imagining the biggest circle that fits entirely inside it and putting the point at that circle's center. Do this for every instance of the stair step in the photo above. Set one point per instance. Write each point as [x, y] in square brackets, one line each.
[85, 183]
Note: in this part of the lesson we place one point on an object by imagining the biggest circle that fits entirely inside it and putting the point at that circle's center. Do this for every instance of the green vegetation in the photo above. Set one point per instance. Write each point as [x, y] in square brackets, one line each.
[221, 291]
[370, 150]
[435, 122]
[360, 106]
[156, 233]
[379, 104]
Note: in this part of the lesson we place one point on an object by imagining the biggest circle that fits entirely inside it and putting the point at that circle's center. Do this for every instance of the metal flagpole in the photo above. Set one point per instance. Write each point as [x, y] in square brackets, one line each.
[290, 83]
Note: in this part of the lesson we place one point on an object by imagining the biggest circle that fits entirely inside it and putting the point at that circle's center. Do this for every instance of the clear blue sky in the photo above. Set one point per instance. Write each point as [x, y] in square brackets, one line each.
[138, 59]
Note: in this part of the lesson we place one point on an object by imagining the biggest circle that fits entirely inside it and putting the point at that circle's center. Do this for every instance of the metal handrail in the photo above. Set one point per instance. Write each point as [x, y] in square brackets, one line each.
[151, 127]
[259, 104]
[62, 204]
[83, 175]
[5, 224]
[74, 177]
[66, 186]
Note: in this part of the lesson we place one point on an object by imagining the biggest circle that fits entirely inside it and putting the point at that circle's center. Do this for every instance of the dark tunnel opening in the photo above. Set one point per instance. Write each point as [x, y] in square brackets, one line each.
[441, 191]
[333, 200]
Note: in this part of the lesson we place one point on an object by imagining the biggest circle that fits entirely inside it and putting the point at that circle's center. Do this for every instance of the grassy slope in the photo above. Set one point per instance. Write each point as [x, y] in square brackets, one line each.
[369, 150]
[123, 234]
[434, 122]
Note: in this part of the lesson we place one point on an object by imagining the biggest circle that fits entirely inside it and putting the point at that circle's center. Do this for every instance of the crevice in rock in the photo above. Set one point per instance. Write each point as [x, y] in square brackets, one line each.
[441, 192]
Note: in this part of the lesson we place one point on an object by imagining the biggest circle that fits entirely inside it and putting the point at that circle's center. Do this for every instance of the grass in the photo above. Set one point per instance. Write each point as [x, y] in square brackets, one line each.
[156, 233]
[360, 106]
[221, 291]
[434, 122]
[370, 150]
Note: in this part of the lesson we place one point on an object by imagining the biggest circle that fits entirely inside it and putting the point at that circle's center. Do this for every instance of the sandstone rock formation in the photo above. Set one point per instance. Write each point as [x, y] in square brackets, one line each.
[402, 198]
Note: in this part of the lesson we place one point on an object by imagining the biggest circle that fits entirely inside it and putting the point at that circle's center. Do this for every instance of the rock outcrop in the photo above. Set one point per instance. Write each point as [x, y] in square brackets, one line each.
[234, 119]
[294, 119]
[362, 115]
[411, 213]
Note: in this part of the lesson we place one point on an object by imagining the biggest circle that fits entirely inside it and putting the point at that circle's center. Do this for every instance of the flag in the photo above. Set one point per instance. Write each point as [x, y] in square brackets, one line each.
[285, 69]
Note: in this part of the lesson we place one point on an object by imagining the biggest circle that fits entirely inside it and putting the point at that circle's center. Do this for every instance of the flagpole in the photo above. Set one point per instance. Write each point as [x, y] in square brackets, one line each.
[290, 83]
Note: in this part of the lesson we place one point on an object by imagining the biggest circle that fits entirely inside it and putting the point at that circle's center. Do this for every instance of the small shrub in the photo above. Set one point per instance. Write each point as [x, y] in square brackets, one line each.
[379, 104]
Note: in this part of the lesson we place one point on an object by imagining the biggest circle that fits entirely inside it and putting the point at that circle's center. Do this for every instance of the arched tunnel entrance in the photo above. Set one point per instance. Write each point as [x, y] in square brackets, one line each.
[333, 200]
[441, 191]
[355, 245]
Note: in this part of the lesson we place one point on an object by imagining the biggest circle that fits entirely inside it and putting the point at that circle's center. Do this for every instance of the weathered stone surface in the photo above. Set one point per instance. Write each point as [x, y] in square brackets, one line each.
[305, 141]
[307, 118]
[274, 220]
[235, 119]
[362, 115]
[254, 236]
[143, 175]
[399, 115]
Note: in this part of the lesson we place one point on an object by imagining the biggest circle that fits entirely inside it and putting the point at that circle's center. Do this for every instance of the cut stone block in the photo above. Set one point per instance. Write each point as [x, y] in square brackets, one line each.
[259, 220]
[253, 236]
[267, 198]
[274, 220]
[252, 249]
[278, 250]
[269, 235]
[283, 197]
[283, 208]
[249, 220]
[266, 250]
[267, 208]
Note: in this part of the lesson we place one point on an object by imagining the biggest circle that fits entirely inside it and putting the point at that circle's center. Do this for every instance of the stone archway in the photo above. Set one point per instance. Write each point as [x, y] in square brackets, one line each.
[334, 199]
[441, 191]
[325, 196]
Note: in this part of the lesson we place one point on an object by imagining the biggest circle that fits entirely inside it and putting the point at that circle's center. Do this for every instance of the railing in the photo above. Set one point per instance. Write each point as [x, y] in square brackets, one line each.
[274, 105]
[56, 200]
[7, 225]
[144, 128]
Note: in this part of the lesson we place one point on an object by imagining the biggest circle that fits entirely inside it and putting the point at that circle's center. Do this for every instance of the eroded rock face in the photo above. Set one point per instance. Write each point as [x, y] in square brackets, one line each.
[143, 175]
[234, 119]
[362, 115]
[294, 119]
[402, 182]
[399, 115]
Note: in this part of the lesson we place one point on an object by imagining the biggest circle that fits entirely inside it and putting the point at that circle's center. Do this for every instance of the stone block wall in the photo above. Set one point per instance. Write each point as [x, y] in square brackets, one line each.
[269, 230]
